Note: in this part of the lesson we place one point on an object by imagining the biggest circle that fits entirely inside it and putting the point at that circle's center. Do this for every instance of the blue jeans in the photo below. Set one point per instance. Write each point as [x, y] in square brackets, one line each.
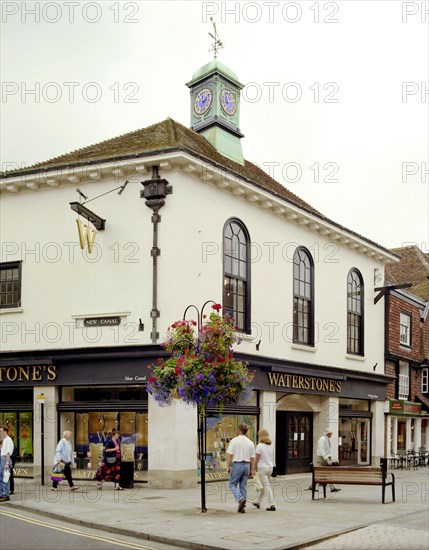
[239, 473]
[4, 487]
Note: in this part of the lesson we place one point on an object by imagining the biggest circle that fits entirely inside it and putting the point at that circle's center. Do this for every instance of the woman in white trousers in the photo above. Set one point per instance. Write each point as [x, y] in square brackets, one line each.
[264, 467]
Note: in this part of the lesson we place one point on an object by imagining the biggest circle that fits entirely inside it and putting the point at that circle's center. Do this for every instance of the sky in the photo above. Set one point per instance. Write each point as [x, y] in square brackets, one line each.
[334, 104]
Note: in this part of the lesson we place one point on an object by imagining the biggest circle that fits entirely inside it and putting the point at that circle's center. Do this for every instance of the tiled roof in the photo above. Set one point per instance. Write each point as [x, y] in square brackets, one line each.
[422, 398]
[412, 268]
[164, 137]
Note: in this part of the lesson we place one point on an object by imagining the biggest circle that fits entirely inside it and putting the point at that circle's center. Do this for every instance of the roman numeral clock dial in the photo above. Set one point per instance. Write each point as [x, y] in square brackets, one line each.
[227, 100]
[203, 101]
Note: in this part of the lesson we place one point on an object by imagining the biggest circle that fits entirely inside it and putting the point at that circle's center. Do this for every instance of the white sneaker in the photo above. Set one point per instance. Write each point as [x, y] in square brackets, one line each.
[54, 488]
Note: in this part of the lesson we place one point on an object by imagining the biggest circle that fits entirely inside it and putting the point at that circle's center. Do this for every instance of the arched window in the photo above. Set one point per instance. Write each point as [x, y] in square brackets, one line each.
[303, 299]
[236, 268]
[355, 313]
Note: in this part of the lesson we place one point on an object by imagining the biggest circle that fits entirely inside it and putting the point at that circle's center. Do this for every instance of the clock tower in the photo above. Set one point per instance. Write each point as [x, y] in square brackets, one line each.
[215, 108]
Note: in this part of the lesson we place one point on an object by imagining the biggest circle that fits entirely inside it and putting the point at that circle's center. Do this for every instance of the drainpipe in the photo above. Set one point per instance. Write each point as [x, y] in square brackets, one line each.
[155, 190]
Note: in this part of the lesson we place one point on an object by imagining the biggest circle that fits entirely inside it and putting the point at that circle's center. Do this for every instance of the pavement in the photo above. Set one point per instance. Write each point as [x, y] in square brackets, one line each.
[353, 518]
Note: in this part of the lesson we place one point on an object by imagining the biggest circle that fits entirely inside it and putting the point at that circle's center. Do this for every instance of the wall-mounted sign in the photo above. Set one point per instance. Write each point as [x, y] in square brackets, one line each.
[102, 321]
[299, 382]
[405, 407]
[86, 372]
[86, 235]
[28, 373]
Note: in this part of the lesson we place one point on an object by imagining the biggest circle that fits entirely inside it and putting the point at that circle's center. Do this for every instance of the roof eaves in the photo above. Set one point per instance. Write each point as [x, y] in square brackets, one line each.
[174, 149]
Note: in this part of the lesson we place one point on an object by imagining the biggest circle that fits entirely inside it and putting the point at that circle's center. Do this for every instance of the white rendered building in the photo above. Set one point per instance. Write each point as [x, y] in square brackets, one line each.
[81, 327]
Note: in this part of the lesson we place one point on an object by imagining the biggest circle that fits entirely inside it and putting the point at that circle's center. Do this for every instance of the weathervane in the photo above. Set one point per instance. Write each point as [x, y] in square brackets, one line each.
[217, 44]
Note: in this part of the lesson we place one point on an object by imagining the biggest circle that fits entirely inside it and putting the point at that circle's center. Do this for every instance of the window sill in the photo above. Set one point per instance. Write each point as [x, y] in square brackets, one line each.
[11, 310]
[302, 347]
[244, 337]
[406, 347]
[355, 357]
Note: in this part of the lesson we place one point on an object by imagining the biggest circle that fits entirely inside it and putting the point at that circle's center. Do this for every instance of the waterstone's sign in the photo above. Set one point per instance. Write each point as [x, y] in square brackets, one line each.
[28, 373]
[300, 382]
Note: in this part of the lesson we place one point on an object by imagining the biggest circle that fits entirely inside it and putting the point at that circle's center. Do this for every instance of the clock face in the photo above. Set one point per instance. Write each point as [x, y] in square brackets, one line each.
[227, 100]
[203, 101]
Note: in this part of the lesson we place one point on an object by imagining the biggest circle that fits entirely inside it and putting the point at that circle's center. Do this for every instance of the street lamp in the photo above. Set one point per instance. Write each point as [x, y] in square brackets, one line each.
[155, 191]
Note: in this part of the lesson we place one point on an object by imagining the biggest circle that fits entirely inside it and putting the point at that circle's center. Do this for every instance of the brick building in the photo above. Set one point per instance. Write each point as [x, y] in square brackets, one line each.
[407, 351]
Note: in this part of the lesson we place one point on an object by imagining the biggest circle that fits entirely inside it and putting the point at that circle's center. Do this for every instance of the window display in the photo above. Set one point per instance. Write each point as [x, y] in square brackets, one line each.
[83, 411]
[94, 428]
[20, 426]
[354, 447]
[354, 432]
[25, 435]
[220, 431]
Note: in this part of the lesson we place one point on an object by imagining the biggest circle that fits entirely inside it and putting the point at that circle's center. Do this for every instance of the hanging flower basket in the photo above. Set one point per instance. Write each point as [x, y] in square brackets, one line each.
[202, 370]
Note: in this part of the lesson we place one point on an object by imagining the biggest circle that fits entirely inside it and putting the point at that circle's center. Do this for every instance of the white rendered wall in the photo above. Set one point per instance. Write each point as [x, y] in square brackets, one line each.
[60, 282]
[268, 406]
[172, 459]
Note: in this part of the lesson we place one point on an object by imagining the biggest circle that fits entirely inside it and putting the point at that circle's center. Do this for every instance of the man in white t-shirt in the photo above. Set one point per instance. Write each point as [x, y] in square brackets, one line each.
[240, 462]
[5, 462]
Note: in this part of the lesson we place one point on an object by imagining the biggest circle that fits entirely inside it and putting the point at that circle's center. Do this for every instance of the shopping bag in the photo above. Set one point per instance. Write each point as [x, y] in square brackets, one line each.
[258, 482]
[6, 475]
[58, 472]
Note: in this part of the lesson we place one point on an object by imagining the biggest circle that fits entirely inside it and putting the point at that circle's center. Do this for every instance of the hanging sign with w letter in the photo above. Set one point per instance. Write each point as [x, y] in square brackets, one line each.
[87, 235]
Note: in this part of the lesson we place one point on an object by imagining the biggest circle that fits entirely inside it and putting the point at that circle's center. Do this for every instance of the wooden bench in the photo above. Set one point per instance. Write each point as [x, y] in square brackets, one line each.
[344, 475]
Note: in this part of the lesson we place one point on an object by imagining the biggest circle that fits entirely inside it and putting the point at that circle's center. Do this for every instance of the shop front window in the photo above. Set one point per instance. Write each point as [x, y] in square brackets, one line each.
[354, 433]
[354, 405]
[402, 434]
[220, 431]
[93, 429]
[91, 413]
[20, 426]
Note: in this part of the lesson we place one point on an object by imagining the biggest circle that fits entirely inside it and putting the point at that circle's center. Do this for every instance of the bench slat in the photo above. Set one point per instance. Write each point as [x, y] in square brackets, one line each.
[345, 475]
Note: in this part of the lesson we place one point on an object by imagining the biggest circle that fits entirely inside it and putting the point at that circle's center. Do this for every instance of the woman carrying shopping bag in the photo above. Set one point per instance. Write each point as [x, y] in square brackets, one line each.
[110, 469]
[65, 459]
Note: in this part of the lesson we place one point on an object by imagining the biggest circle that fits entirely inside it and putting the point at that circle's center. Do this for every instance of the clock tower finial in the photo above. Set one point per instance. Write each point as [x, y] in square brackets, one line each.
[217, 44]
[215, 104]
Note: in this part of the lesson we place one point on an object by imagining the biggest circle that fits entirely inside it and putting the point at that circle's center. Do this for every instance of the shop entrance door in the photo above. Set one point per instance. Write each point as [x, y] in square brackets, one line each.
[294, 441]
[362, 441]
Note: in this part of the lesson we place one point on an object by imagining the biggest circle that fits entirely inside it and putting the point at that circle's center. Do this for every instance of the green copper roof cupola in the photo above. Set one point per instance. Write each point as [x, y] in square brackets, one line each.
[215, 105]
